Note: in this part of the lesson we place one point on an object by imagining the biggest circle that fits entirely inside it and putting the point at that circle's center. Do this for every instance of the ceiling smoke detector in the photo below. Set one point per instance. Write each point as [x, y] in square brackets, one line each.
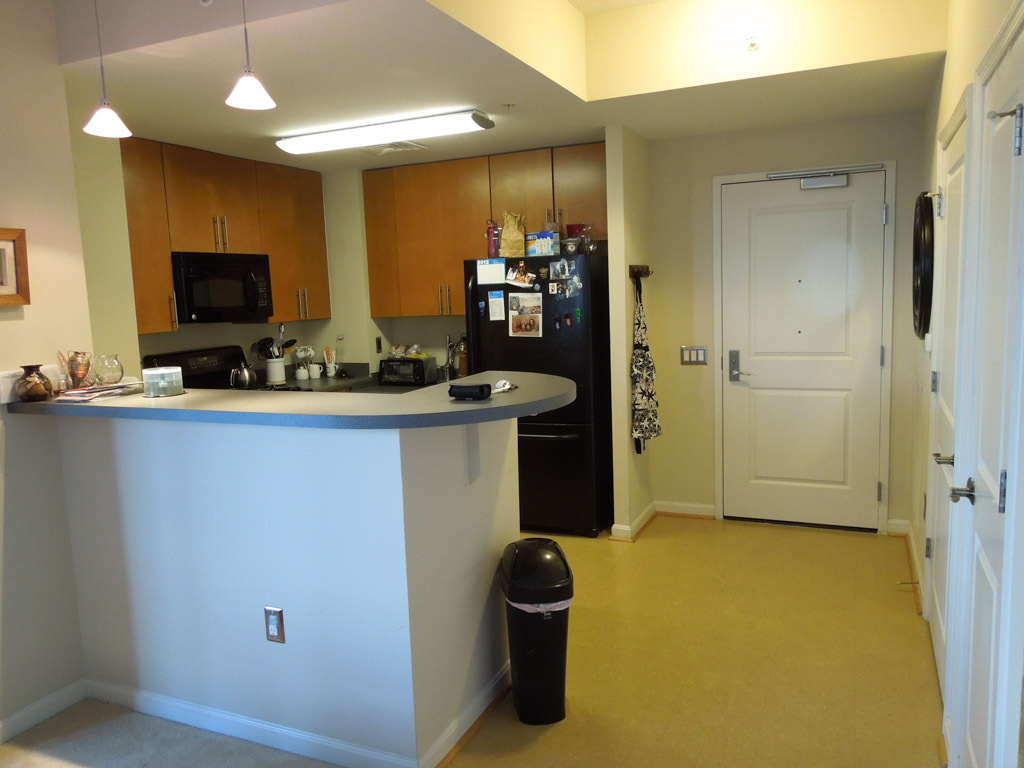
[395, 146]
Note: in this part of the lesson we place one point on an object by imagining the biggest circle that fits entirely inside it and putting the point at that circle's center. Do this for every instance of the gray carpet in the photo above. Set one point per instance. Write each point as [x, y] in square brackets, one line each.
[93, 734]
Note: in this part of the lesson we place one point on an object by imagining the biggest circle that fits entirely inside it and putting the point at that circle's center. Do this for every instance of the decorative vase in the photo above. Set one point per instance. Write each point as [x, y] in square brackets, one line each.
[33, 385]
[78, 368]
[107, 369]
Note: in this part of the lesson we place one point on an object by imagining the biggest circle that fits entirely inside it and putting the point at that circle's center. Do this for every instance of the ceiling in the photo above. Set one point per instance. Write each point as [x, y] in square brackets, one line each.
[363, 60]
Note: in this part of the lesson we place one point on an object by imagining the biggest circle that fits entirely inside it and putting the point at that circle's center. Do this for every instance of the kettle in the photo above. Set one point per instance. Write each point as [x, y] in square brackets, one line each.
[243, 377]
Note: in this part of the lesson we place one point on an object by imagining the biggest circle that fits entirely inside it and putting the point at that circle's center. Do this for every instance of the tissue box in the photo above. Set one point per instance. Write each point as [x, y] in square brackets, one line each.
[542, 244]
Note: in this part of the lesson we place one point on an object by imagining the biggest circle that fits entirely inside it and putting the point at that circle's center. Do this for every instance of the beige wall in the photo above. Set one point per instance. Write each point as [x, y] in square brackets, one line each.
[108, 268]
[680, 303]
[629, 235]
[680, 43]
[39, 648]
[973, 25]
[527, 29]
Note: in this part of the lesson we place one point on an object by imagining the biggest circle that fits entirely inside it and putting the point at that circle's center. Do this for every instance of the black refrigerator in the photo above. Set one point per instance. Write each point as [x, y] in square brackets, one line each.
[549, 314]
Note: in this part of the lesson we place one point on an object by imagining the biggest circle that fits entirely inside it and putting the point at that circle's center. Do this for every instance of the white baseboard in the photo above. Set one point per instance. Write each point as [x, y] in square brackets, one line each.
[633, 528]
[44, 709]
[685, 508]
[899, 527]
[257, 731]
[669, 507]
[447, 740]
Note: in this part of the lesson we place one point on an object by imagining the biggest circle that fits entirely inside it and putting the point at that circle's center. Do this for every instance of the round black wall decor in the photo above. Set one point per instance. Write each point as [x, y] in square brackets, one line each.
[924, 259]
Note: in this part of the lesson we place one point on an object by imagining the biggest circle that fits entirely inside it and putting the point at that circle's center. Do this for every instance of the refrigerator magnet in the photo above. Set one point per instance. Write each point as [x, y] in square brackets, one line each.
[568, 320]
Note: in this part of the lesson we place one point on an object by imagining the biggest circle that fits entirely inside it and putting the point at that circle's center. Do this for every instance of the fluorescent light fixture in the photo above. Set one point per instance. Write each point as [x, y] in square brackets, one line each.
[248, 92]
[104, 122]
[386, 133]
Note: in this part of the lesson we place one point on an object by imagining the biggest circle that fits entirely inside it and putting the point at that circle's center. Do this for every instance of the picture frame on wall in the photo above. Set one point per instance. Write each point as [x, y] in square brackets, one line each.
[14, 290]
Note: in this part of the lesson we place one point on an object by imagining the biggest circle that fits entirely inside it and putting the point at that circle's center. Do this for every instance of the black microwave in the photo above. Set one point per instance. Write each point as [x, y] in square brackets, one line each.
[222, 287]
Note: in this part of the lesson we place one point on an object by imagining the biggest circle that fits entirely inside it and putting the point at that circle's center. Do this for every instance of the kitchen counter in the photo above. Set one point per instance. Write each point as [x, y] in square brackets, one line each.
[419, 407]
[378, 534]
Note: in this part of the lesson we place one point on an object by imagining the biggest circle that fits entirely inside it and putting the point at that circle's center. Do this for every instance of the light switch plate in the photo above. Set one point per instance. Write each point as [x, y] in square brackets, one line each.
[693, 355]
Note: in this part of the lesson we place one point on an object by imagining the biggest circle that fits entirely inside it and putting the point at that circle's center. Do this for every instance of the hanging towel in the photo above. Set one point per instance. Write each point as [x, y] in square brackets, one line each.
[645, 399]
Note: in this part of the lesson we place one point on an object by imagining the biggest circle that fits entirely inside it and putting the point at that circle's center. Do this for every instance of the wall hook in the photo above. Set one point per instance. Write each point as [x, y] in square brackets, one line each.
[640, 270]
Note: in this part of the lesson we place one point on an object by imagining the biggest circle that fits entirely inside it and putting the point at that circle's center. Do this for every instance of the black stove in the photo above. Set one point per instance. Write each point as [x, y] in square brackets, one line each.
[209, 368]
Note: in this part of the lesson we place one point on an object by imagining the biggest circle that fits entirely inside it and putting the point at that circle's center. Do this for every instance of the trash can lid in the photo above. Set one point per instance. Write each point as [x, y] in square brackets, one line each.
[535, 571]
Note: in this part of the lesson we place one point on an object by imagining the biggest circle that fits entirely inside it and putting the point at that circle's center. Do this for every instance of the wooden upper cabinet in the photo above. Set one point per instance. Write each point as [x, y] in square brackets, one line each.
[578, 175]
[291, 215]
[381, 245]
[148, 237]
[464, 192]
[521, 183]
[212, 203]
[418, 238]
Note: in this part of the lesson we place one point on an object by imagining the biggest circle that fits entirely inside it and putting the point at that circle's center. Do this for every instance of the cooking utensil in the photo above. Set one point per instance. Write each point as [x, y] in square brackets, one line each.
[287, 345]
[265, 346]
[243, 377]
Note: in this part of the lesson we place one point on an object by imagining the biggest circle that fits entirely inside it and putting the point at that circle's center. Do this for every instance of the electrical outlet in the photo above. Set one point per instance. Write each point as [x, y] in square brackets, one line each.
[379, 347]
[273, 618]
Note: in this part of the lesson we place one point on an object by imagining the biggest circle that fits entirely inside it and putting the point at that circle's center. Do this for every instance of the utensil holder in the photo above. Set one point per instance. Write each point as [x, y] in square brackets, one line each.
[275, 370]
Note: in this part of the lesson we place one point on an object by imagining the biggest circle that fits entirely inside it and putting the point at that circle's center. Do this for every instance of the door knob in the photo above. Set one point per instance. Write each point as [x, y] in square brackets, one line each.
[955, 494]
[734, 366]
[940, 459]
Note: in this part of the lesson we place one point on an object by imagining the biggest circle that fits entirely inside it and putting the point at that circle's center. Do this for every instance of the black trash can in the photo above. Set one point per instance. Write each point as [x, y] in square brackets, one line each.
[537, 582]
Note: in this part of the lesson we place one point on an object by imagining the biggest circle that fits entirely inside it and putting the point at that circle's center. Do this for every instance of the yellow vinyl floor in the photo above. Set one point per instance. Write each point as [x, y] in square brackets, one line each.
[709, 643]
[705, 643]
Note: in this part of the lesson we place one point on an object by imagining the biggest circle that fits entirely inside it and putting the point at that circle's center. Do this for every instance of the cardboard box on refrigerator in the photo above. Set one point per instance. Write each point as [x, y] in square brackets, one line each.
[542, 244]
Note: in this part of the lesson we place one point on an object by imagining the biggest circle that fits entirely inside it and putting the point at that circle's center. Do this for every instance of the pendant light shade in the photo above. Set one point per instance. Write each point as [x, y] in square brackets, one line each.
[249, 92]
[104, 121]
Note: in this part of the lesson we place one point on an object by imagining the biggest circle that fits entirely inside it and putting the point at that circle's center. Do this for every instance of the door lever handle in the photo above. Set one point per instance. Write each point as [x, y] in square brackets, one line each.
[955, 494]
[734, 366]
[940, 459]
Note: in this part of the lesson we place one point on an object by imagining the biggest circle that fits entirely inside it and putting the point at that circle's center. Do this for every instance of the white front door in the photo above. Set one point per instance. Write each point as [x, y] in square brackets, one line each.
[802, 310]
[990, 390]
[945, 319]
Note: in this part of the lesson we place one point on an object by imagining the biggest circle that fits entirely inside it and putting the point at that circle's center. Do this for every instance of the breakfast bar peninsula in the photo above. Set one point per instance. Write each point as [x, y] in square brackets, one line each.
[375, 522]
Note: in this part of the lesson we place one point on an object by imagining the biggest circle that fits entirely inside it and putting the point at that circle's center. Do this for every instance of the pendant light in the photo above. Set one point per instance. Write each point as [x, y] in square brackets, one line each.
[249, 93]
[105, 122]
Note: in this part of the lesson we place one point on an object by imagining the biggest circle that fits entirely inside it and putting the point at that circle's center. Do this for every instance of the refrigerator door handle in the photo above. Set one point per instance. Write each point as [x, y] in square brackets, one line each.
[550, 437]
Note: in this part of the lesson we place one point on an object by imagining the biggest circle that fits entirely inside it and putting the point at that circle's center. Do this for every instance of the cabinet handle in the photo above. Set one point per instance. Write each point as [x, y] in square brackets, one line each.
[305, 295]
[298, 295]
[224, 224]
[216, 234]
[448, 296]
[440, 306]
[174, 311]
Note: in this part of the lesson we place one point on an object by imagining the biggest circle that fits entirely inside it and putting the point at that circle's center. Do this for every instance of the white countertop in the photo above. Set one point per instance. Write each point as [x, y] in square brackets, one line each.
[425, 407]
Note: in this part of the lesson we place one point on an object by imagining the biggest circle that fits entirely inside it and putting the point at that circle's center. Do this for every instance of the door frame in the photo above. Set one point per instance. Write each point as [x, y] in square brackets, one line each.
[889, 242]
